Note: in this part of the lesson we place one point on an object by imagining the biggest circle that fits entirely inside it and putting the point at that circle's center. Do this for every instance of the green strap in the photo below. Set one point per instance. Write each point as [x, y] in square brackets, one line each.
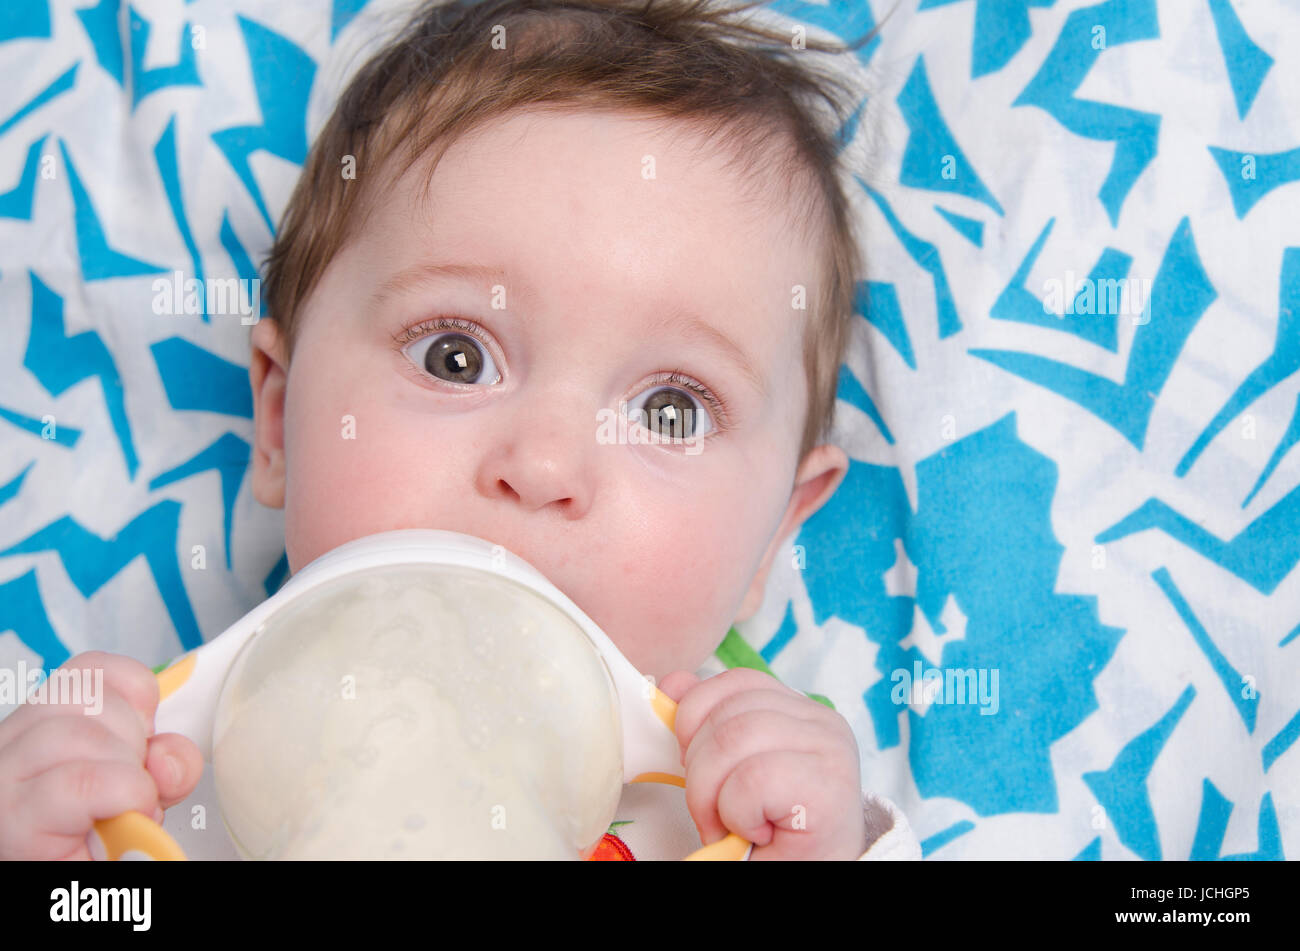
[734, 651]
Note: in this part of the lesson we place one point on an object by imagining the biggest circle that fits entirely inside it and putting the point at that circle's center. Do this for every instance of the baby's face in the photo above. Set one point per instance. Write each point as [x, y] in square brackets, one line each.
[584, 256]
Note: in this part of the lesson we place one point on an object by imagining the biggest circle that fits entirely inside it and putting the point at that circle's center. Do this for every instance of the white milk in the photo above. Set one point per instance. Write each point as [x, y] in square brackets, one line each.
[418, 712]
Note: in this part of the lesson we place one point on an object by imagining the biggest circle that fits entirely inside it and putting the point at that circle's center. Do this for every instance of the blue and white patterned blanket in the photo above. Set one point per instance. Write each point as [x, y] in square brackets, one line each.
[1071, 403]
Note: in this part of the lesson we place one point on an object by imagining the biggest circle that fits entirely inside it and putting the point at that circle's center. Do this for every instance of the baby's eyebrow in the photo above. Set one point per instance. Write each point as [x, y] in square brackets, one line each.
[420, 274]
[693, 327]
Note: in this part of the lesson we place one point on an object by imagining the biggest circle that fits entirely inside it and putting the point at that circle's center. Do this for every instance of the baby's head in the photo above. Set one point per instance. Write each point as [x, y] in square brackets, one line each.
[628, 211]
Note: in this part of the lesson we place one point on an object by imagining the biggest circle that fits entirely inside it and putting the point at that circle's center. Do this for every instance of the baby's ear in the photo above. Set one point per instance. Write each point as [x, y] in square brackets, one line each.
[268, 374]
[816, 480]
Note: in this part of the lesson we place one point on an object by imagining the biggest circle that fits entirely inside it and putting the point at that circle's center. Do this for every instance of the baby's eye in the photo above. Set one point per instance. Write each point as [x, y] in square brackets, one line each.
[454, 357]
[671, 412]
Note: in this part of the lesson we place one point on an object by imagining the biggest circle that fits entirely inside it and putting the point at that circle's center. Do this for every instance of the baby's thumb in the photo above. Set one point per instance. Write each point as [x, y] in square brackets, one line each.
[176, 765]
[677, 683]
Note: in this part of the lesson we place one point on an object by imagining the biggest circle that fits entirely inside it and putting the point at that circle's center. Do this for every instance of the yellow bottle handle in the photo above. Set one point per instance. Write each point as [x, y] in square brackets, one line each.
[133, 835]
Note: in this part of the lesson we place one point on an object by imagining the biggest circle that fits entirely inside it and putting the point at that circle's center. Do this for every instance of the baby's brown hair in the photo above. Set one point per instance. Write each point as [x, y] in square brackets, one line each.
[687, 60]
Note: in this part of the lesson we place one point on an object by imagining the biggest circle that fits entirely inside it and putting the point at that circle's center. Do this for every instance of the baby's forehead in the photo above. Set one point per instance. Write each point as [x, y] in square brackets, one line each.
[615, 192]
[555, 177]
[703, 160]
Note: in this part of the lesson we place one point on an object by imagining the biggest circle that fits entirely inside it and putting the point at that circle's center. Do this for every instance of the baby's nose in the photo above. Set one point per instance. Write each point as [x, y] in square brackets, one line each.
[542, 462]
[539, 489]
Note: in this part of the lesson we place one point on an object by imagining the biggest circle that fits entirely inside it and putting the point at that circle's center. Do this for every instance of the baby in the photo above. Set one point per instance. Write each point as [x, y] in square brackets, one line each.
[515, 225]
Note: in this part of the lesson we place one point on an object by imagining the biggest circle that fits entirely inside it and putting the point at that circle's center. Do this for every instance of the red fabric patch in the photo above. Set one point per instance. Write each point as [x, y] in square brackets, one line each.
[611, 849]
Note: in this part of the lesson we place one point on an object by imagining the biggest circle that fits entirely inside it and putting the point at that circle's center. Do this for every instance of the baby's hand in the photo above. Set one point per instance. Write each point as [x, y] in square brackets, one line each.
[768, 764]
[62, 768]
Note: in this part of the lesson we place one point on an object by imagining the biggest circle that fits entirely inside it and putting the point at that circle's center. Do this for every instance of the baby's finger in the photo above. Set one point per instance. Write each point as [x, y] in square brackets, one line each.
[25, 844]
[134, 682]
[85, 686]
[761, 801]
[59, 740]
[112, 709]
[719, 748]
[67, 799]
[696, 704]
[80, 853]
[677, 683]
[115, 714]
[813, 732]
[176, 765]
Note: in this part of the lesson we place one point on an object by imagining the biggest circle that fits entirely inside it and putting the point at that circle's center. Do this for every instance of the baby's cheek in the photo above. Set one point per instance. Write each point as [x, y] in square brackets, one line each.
[336, 459]
[675, 601]
[317, 509]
